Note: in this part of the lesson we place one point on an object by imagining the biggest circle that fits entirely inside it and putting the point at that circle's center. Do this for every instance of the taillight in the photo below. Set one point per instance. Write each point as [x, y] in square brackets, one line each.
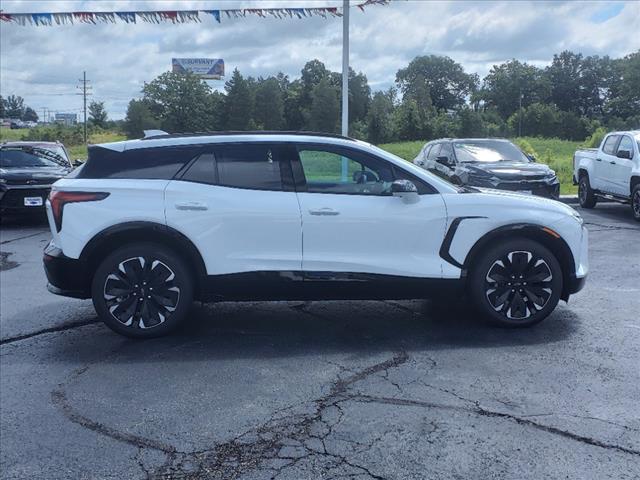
[59, 199]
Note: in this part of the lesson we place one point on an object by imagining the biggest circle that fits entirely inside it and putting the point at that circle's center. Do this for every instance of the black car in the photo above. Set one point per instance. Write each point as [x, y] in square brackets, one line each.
[488, 163]
[27, 170]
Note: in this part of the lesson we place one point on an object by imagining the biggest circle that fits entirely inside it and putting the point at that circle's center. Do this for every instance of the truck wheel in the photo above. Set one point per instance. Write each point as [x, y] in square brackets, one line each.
[585, 194]
[516, 283]
[142, 290]
[635, 202]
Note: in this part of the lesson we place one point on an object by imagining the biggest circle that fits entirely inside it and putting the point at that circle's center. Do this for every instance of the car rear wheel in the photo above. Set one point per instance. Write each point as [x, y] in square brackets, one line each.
[516, 283]
[635, 202]
[142, 290]
[586, 196]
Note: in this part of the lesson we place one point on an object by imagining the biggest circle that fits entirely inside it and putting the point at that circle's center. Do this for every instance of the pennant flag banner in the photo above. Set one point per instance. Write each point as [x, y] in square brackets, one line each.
[173, 16]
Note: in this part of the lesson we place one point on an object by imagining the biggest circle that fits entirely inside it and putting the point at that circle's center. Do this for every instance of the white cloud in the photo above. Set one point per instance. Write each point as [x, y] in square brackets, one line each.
[43, 64]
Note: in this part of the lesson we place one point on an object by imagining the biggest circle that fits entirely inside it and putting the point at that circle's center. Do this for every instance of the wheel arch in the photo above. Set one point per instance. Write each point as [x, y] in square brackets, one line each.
[116, 236]
[635, 180]
[543, 235]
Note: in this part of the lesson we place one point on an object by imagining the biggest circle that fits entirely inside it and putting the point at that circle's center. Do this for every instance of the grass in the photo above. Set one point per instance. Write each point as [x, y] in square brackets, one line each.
[75, 151]
[556, 153]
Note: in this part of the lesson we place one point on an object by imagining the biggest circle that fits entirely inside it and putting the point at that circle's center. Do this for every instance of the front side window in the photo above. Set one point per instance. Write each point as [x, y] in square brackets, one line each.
[446, 151]
[626, 144]
[609, 146]
[252, 166]
[346, 172]
[434, 152]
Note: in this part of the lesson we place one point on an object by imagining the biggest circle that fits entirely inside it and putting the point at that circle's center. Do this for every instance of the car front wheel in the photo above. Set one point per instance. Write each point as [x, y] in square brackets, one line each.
[516, 283]
[142, 290]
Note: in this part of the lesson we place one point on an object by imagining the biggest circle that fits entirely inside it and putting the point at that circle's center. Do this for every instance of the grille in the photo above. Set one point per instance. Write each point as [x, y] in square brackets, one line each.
[15, 198]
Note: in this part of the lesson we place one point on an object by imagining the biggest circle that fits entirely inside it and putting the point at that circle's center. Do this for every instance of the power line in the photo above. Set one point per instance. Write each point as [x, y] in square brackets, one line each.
[85, 91]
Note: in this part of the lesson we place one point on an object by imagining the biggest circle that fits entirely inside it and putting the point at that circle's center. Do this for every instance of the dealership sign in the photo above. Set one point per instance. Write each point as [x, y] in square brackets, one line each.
[208, 68]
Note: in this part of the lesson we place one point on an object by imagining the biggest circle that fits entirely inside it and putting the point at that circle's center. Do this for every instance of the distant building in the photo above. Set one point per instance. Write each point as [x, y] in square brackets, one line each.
[67, 118]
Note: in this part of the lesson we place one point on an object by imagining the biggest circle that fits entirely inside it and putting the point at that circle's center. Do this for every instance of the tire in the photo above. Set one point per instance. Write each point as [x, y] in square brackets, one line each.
[502, 296]
[128, 275]
[586, 196]
[635, 202]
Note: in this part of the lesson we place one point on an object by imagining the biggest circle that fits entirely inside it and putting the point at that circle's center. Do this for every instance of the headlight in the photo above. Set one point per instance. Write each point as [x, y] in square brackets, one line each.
[3, 181]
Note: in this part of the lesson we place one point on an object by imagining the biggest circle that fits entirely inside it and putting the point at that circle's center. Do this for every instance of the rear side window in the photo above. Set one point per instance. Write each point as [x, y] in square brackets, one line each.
[609, 146]
[251, 166]
[203, 170]
[141, 163]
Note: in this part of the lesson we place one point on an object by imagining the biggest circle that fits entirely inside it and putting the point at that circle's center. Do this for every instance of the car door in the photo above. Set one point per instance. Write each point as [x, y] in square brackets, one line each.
[604, 165]
[352, 222]
[237, 204]
[621, 167]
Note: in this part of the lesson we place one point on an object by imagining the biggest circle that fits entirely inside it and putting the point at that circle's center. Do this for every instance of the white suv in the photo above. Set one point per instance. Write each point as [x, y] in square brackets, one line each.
[146, 226]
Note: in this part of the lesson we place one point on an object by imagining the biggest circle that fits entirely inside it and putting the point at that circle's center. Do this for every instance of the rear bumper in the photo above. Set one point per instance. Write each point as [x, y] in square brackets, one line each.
[67, 276]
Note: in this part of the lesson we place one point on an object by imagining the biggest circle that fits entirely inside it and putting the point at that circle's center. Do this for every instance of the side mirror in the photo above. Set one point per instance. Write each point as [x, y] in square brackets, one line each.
[77, 162]
[532, 158]
[624, 154]
[406, 190]
[444, 160]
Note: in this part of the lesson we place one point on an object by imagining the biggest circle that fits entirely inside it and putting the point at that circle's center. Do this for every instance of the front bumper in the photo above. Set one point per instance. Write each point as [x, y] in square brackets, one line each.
[67, 276]
[12, 197]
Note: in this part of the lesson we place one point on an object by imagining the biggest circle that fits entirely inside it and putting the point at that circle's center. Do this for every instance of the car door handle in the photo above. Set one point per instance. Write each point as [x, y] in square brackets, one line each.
[598, 159]
[612, 162]
[324, 211]
[191, 206]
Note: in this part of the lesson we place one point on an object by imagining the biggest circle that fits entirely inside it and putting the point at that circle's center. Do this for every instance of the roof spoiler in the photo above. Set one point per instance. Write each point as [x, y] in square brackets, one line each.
[154, 133]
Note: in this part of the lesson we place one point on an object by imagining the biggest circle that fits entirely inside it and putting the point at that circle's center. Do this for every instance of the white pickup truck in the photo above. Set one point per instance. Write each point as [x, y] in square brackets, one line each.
[610, 171]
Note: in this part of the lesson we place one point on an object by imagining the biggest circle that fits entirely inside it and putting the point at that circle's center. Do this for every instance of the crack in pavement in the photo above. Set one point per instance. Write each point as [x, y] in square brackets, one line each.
[56, 329]
[478, 410]
[3, 242]
[608, 227]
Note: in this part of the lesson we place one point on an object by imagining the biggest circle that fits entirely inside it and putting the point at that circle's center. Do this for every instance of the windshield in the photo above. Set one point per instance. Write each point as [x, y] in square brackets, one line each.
[488, 151]
[33, 157]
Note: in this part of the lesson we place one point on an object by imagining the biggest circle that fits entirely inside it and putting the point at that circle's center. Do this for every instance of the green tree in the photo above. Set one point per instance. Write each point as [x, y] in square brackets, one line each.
[3, 107]
[624, 93]
[445, 80]
[180, 101]
[97, 114]
[238, 105]
[325, 107]
[565, 77]
[139, 118]
[269, 104]
[14, 106]
[29, 115]
[507, 82]
[359, 96]
[380, 117]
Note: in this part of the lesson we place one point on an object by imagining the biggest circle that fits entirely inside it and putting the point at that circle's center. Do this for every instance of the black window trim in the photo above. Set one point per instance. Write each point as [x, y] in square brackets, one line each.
[301, 181]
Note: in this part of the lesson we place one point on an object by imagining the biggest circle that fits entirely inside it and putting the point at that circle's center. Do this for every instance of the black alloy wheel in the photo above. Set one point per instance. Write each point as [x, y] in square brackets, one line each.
[516, 283]
[142, 290]
[586, 196]
[635, 202]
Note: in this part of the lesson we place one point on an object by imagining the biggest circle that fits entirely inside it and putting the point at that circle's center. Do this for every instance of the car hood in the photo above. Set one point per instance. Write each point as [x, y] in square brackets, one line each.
[33, 174]
[525, 199]
[510, 170]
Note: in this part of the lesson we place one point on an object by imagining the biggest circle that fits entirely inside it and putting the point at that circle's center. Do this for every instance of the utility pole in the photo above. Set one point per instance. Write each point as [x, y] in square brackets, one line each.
[85, 91]
[520, 113]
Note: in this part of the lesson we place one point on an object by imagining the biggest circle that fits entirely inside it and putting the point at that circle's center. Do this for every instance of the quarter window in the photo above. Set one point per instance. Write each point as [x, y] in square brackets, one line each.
[609, 146]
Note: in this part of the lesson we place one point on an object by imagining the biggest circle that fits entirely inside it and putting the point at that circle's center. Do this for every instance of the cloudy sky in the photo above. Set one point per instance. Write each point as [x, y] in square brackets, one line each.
[43, 64]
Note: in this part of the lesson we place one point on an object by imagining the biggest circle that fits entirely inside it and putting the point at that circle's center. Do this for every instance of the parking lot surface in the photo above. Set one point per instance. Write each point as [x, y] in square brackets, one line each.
[292, 390]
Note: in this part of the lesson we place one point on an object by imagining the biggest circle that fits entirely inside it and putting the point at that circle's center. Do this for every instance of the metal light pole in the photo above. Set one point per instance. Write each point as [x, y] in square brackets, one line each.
[345, 68]
[345, 82]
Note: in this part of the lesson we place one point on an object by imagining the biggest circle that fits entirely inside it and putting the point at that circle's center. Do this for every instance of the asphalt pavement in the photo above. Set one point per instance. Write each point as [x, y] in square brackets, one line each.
[319, 390]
